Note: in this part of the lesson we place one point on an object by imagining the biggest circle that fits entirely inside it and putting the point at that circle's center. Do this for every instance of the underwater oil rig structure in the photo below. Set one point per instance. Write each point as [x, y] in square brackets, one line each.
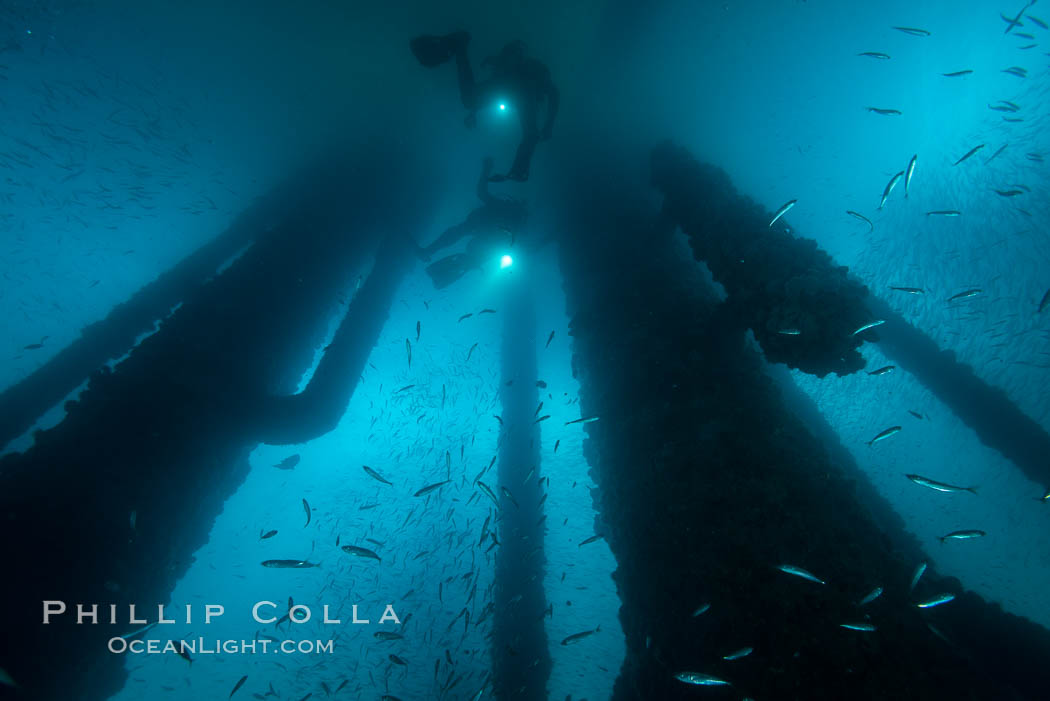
[709, 466]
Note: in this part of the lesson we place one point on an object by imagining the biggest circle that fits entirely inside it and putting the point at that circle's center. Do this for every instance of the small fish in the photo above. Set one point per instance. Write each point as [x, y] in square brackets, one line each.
[870, 325]
[965, 295]
[487, 491]
[866, 627]
[585, 420]
[915, 414]
[408, 349]
[1004, 107]
[592, 539]
[880, 110]
[969, 153]
[306, 507]
[486, 311]
[1017, 71]
[939, 486]
[936, 601]
[375, 475]
[406, 387]
[909, 290]
[917, 575]
[361, 552]
[875, 593]
[874, 54]
[1035, 20]
[943, 213]
[430, 488]
[885, 434]
[799, 572]
[1046, 496]
[466, 316]
[883, 370]
[962, 535]
[1015, 22]
[698, 679]
[742, 652]
[267, 534]
[542, 418]
[702, 609]
[498, 419]
[288, 463]
[541, 384]
[909, 172]
[913, 31]
[789, 332]
[1008, 193]
[397, 660]
[549, 339]
[556, 444]
[956, 74]
[471, 351]
[1044, 302]
[871, 227]
[238, 685]
[577, 637]
[418, 329]
[288, 564]
[889, 188]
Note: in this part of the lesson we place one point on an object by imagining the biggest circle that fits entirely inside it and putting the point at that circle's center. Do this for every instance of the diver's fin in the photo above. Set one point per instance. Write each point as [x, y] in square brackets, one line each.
[433, 50]
[447, 270]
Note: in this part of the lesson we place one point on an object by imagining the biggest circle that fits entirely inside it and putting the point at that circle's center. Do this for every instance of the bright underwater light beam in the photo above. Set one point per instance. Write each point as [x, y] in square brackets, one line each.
[505, 262]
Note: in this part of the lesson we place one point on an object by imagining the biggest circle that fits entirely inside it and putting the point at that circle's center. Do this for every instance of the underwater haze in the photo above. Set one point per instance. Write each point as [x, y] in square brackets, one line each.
[735, 385]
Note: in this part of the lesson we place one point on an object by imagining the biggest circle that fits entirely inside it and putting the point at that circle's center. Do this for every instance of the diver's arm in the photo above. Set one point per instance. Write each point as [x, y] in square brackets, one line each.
[483, 182]
[553, 98]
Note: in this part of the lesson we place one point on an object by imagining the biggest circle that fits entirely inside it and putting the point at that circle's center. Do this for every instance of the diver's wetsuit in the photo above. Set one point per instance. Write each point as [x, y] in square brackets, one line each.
[491, 227]
[522, 82]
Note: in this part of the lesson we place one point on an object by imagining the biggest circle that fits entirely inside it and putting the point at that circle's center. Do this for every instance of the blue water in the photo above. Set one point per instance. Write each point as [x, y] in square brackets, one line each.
[134, 134]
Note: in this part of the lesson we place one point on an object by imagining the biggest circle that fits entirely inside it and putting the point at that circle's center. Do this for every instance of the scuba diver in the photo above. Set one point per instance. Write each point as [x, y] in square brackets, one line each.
[492, 228]
[522, 82]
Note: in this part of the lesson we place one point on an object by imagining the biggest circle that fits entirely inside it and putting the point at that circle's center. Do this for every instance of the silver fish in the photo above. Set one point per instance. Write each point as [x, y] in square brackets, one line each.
[917, 576]
[883, 435]
[863, 218]
[875, 593]
[969, 153]
[782, 211]
[936, 601]
[799, 572]
[702, 609]
[909, 172]
[576, 637]
[288, 564]
[430, 487]
[742, 652]
[870, 325]
[965, 295]
[866, 627]
[939, 486]
[889, 188]
[698, 679]
[962, 535]
[361, 552]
